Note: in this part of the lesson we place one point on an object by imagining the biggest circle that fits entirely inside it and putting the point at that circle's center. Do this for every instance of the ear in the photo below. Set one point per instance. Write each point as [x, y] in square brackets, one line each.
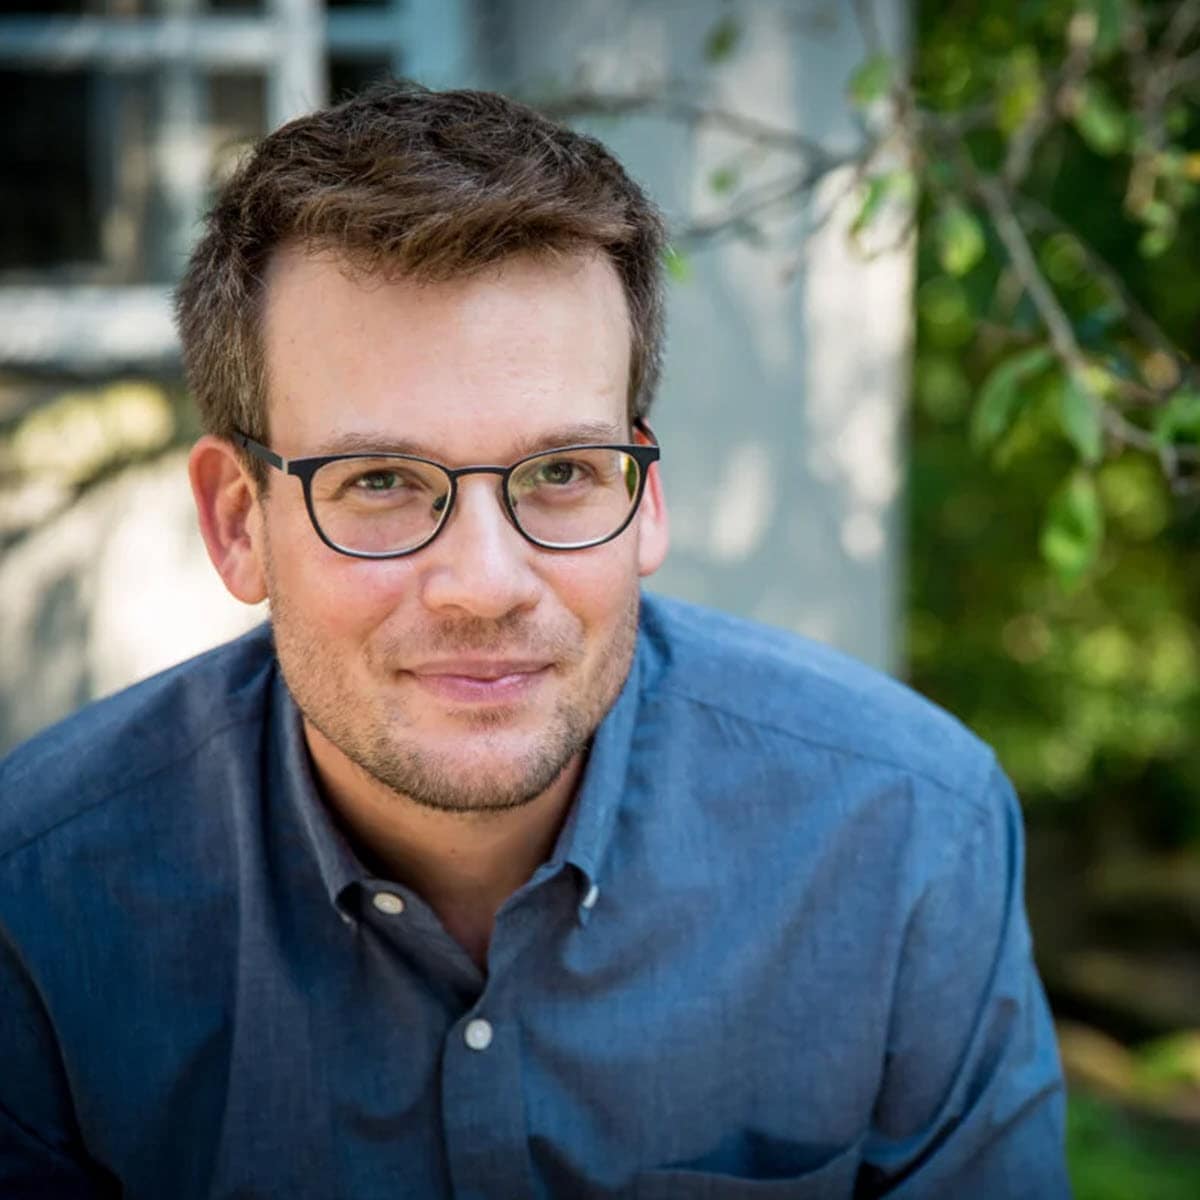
[654, 526]
[230, 515]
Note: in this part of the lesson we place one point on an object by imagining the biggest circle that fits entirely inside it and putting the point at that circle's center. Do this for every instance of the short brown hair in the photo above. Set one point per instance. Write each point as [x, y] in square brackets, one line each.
[405, 182]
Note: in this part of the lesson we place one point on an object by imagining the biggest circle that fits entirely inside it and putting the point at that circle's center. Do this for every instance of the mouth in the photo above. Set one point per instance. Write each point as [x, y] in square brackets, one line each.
[480, 681]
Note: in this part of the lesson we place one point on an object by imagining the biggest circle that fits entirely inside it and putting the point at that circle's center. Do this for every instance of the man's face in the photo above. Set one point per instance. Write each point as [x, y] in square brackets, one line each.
[469, 675]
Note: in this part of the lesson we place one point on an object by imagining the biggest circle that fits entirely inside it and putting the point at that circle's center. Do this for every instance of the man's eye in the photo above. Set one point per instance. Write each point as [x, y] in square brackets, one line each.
[559, 472]
[378, 481]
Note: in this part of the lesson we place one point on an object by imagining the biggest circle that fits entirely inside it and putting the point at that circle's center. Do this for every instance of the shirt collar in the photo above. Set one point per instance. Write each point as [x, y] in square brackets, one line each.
[585, 835]
[588, 829]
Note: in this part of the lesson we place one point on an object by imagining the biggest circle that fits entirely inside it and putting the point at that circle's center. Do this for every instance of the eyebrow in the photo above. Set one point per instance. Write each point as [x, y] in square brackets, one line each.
[581, 433]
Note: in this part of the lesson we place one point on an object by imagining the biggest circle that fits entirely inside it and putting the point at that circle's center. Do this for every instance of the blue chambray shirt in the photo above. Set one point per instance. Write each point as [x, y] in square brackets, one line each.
[778, 951]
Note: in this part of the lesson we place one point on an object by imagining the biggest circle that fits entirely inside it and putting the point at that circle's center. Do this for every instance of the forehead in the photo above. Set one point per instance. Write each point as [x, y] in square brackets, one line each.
[469, 368]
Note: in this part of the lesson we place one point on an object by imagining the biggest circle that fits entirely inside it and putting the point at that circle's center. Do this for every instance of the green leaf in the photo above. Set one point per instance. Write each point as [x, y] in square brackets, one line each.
[1079, 415]
[873, 198]
[1179, 419]
[1001, 397]
[945, 311]
[1154, 243]
[959, 238]
[872, 80]
[722, 39]
[1110, 17]
[679, 266]
[1101, 121]
[1158, 214]
[1021, 90]
[722, 180]
[880, 188]
[1074, 528]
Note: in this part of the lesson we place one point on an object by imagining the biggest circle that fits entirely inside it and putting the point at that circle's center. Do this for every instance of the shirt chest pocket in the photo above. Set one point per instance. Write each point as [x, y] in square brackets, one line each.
[833, 1180]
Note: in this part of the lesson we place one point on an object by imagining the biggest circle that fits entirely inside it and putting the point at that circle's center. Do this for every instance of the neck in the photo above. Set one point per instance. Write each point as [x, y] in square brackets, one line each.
[464, 864]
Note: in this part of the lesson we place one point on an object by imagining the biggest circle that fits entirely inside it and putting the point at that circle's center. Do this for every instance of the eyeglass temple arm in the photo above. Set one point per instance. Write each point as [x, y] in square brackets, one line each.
[641, 424]
[260, 451]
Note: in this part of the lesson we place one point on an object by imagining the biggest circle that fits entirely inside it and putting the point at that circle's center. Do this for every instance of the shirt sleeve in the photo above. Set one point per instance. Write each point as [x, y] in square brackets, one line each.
[972, 1101]
[40, 1154]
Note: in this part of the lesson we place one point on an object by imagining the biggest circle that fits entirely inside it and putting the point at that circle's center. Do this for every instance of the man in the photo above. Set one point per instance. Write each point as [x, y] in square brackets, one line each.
[477, 873]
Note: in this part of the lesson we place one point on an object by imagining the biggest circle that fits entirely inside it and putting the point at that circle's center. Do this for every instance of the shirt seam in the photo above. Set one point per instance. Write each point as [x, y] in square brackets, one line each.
[109, 797]
[967, 789]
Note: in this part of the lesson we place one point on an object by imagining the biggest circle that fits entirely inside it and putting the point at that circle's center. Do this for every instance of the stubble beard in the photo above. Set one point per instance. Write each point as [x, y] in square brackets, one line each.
[384, 745]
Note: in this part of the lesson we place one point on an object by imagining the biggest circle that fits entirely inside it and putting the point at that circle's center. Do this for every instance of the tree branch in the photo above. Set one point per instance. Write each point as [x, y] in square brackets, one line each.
[1058, 325]
[1038, 216]
[763, 198]
[619, 104]
[1062, 334]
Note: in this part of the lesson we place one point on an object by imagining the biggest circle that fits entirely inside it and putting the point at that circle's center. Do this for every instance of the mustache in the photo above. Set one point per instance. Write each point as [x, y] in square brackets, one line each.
[514, 635]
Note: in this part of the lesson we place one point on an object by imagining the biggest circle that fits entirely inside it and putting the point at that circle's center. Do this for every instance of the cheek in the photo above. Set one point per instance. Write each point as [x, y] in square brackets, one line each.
[338, 596]
[356, 595]
[596, 586]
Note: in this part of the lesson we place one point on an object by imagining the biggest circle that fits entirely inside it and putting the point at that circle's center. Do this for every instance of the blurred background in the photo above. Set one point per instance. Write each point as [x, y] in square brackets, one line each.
[930, 392]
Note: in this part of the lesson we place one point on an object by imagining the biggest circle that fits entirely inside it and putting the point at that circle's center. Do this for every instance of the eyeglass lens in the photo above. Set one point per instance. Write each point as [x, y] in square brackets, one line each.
[388, 504]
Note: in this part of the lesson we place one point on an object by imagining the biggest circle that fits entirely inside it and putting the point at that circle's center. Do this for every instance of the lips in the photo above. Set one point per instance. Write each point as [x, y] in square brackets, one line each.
[477, 668]
[480, 681]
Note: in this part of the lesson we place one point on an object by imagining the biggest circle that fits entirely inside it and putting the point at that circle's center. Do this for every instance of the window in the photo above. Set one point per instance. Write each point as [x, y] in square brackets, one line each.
[132, 108]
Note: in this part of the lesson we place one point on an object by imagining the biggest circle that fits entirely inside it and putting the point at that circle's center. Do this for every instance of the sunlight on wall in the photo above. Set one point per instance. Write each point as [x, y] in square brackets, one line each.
[854, 397]
[746, 492]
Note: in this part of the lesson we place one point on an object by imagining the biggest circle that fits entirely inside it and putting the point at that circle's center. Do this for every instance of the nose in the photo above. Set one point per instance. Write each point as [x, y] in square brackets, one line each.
[479, 564]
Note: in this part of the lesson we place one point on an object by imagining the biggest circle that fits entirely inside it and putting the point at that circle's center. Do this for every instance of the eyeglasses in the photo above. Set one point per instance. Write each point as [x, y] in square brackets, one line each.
[388, 505]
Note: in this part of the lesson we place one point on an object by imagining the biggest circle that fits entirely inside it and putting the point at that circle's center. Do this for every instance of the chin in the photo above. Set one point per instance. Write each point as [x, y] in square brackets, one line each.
[461, 767]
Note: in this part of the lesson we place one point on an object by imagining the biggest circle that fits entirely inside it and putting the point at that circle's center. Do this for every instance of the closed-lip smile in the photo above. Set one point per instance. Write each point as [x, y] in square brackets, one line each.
[481, 681]
[479, 668]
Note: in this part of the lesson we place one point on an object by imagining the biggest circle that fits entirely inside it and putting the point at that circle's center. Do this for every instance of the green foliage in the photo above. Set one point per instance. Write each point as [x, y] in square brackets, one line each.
[1112, 1157]
[1101, 121]
[872, 80]
[960, 239]
[1079, 414]
[1021, 89]
[1170, 1062]
[1054, 581]
[1111, 18]
[1002, 394]
[1074, 528]
[1178, 421]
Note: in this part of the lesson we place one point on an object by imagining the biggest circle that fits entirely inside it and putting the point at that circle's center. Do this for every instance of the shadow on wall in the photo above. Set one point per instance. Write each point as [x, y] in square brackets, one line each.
[114, 588]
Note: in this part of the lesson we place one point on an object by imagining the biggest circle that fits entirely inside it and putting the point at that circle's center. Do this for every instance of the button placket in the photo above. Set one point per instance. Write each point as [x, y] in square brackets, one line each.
[484, 1122]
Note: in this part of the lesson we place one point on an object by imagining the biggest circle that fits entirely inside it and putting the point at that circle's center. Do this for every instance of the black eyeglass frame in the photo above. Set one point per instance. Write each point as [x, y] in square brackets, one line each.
[305, 468]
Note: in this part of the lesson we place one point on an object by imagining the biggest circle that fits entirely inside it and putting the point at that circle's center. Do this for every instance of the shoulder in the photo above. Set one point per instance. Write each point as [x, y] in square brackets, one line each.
[791, 690]
[115, 745]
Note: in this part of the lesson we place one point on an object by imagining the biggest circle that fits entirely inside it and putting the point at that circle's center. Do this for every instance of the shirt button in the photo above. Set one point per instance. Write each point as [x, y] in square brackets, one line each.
[388, 902]
[478, 1034]
[593, 894]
